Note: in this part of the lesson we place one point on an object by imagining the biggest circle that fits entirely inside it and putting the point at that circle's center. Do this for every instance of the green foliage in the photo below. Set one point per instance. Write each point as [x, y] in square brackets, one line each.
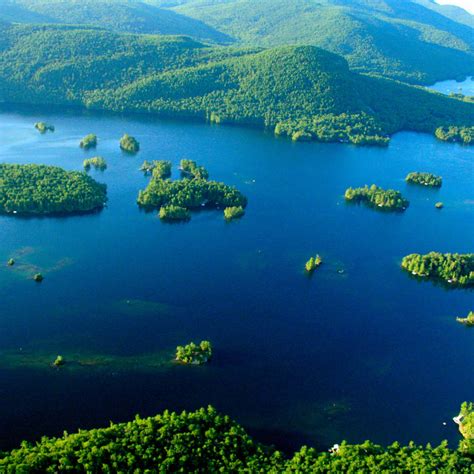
[206, 441]
[425, 179]
[464, 135]
[313, 263]
[466, 427]
[439, 205]
[44, 127]
[378, 198]
[159, 168]
[129, 144]
[174, 213]
[194, 354]
[298, 91]
[233, 212]
[38, 277]
[11, 262]
[97, 162]
[89, 141]
[189, 168]
[406, 40]
[468, 321]
[452, 268]
[40, 189]
[59, 361]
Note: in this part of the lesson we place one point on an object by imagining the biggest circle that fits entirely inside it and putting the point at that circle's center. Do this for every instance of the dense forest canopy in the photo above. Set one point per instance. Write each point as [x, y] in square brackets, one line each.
[413, 41]
[116, 15]
[206, 441]
[300, 90]
[41, 189]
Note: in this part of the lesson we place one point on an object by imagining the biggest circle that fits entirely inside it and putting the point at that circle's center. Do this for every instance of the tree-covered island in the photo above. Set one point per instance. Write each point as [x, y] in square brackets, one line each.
[453, 268]
[190, 169]
[468, 320]
[42, 190]
[464, 135]
[44, 127]
[89, 141]
[206, 441]
[378, 198]
[97, 162]
[129, 144]
[172, 198]
[194, 354]
[424, 179]
[233, 212]
[159, 168]
[313, 263]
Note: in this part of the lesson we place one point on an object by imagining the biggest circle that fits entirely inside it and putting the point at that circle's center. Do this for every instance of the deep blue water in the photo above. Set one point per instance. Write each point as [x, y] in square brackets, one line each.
[370, 353]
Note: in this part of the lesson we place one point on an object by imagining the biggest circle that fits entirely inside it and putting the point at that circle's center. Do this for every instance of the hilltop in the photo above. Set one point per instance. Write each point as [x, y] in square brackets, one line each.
[300, 91]
[416, 41]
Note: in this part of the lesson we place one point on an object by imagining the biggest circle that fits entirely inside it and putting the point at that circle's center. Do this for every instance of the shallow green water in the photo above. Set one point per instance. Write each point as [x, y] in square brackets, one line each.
[360, 350]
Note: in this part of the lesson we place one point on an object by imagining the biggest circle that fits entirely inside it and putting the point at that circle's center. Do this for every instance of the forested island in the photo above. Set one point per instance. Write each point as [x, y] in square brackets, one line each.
[190, 169]
[159, 168]
[464, 135]
[453, 268]
[97, 162]
[89, 141]
[468, 321]
[206, 441]
[233, 212]
[129, 144]
[42, 190]
[44, 127]
[194, 354]
[193, 191]
[378, 198]
[424, 179]
[313, 263]
[303, 92]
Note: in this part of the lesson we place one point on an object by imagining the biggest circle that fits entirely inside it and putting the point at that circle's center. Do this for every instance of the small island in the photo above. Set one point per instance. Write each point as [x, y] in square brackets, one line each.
[378, 198]
[233, 212]
[468, 320]
[11, 262]
[159, 168]
[464, 135]
[439, 205]
[129, 144]
[44, 127]
[43, 190]
[194, 354]
[172, 198]
[451, 268]
[89, 141]
[59, 361]
[97, 162]
[174, 213]
[424, 179]
[190, 169]
[38, 277]
[313, 263]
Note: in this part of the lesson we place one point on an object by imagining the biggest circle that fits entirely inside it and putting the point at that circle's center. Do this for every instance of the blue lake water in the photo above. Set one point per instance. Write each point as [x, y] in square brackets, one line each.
[366, 353]
[465, 87]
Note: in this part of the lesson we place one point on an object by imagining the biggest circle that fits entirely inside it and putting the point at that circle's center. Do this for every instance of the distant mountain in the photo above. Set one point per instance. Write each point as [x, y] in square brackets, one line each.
[412, 40]
[300, 91]
[117, 15]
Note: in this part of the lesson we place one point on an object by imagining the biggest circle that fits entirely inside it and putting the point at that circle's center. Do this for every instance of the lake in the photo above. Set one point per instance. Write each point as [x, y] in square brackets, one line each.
[360, 350]
[465, 87]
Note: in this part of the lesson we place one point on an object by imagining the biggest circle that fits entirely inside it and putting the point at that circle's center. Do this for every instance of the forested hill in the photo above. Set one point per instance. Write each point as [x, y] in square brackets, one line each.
[130, 16]
[411, 40]
[301, 91]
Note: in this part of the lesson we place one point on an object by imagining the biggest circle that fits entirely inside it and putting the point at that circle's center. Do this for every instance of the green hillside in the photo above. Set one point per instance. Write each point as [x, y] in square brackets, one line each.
[301, 91]
[116, 15]
[205, 441]
[411, 40]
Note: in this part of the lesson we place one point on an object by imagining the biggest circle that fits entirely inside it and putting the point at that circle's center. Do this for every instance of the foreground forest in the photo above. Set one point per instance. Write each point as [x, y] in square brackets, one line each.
[206, 441]
[300, 91]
